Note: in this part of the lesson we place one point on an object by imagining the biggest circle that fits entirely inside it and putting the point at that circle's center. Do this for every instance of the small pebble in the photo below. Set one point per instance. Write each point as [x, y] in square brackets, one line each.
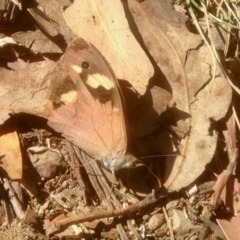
[156, 221]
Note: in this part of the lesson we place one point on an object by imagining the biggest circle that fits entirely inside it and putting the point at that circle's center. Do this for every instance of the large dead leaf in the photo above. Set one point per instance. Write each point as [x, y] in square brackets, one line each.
[168, 41]
[104, 24]
[208, 101]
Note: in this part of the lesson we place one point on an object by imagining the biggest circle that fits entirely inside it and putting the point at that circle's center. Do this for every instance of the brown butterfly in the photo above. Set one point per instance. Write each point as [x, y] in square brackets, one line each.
[87, 106]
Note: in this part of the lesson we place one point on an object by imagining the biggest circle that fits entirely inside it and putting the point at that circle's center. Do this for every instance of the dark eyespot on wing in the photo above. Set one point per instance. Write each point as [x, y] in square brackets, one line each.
[85, 65]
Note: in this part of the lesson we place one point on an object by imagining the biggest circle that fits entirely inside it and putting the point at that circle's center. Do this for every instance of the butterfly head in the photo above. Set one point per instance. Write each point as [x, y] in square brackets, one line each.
[114, 162]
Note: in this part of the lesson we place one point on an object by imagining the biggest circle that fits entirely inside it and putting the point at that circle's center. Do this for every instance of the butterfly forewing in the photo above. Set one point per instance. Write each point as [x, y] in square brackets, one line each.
[88, 109]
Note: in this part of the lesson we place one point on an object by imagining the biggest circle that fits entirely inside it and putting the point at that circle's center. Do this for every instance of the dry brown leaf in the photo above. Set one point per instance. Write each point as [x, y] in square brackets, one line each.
[17, 65]
[104, 24]
[25, 90]
[53, 11]
[6, 40]
[210, 102]
[230, 193]
[163, 39]
[9, 49]
[36, 41]
[168, 40]
[230, 227]
[11, 159]
[48, 26]
[230, 197]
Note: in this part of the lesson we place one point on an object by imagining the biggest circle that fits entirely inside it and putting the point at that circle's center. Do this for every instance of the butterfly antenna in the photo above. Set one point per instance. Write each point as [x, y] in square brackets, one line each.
[164, 155]
[154, 175]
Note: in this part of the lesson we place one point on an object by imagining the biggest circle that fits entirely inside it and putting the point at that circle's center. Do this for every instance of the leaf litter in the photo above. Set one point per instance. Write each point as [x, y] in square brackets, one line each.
[179, 105]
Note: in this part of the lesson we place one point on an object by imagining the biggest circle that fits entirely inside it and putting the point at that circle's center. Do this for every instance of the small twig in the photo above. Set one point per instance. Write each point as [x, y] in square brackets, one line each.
[210, 15]
[236, 117]
[214, 54]
[13, 199]
[212, 225]
[63, 223]
[168, 222]
[100, 185]
[76, 169]
[7, 207]
[191, 12]
[122, 232]
[206, 221]
[133, 229]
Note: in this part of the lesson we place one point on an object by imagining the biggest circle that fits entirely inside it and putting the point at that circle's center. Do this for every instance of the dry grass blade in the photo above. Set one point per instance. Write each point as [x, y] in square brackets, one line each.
[214, 54]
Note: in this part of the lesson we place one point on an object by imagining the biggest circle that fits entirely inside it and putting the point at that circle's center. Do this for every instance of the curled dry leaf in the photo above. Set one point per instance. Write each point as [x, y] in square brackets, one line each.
[88, 19]
[163, 37]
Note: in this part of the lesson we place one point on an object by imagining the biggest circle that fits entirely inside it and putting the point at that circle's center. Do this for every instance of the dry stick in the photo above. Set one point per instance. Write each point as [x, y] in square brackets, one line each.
[215, 228]
[62, 224]
[76, 168]
[13, 199]
[133, 229]
[89, 170]
[93, 176]
[122, 232]
[208, 223]
[5, 202]
[168, 222]
[108, 196]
